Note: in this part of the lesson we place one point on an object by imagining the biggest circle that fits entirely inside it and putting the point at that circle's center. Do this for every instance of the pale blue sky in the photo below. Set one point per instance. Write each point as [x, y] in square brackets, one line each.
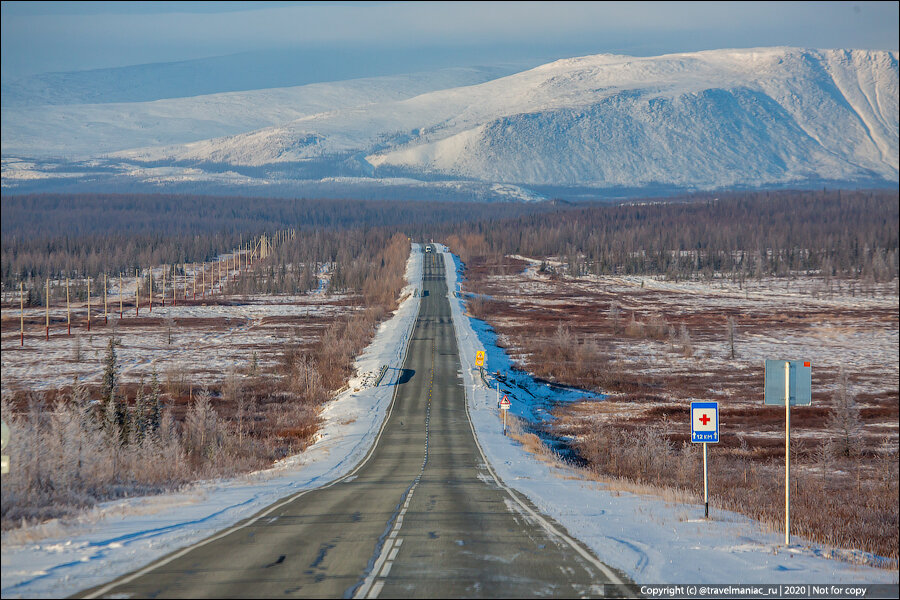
[66, 36]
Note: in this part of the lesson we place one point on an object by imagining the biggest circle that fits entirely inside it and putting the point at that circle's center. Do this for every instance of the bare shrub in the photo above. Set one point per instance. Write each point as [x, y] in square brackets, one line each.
[169, 324]
[614, 315]
[684, 342]
[73, 453]
[825, 506]
[478, 306]
[642, 454]
[176, 378]
[657, 328]
[844, 419]
[62, 460]
[730, 327]
[634, 328]
[76, 349]
[204, 434]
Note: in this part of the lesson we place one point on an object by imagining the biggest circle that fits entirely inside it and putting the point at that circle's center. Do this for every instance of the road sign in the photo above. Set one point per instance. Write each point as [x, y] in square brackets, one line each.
[505, 403]
[705, 430]
[705, 422]
[800, 389]
[788, 383]
[479, 358]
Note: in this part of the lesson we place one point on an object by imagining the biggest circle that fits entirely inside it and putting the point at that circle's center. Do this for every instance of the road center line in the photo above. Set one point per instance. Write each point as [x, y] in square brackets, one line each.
[374, 582]
[348, 476]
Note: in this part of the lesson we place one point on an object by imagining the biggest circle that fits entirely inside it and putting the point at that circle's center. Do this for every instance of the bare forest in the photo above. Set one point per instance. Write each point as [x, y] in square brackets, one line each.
[649, 303]
[296, 309]
[655, 305]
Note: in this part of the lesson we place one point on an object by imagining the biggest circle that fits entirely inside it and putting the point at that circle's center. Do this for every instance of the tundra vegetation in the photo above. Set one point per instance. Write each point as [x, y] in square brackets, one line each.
[653, 303]
[83, 443]
[658, 304]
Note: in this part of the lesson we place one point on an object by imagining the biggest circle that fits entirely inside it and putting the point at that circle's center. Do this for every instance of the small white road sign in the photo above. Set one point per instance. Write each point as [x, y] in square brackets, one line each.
[505, 403]
[705, 422]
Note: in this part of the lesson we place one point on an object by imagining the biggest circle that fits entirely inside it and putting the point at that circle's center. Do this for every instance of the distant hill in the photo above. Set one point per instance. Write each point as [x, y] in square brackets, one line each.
[716, 119]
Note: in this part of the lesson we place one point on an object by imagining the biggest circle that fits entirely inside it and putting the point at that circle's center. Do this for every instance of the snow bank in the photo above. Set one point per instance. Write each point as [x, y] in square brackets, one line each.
[56, 560]
[648, 538]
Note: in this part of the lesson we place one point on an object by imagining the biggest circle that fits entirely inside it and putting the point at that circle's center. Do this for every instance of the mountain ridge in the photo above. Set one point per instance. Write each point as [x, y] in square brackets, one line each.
[703, 120]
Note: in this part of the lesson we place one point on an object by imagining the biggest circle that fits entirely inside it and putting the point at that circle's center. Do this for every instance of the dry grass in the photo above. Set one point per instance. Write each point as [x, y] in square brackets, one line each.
[66, 458]
[843, 511]
[653, 354]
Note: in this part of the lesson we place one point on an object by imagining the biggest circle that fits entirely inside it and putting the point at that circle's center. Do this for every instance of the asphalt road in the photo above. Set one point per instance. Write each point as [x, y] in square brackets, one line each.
[421, 516]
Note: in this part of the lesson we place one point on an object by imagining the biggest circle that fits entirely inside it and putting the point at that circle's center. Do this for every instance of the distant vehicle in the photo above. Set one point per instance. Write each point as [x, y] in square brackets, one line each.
[427, 248]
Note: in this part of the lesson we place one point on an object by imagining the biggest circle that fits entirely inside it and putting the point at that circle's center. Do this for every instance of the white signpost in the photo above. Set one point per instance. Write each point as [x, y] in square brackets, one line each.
[4, 440]
[504, 406]
[788, 383]
[705, 430]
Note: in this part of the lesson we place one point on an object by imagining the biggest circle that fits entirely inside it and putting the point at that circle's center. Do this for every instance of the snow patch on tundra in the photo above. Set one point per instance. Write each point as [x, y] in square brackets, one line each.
[57, 559]
[648, 538]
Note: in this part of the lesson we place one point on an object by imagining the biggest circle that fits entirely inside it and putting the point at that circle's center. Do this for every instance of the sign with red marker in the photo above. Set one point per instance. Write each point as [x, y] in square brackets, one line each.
[505, 403]
[704, 422]
[705, 430]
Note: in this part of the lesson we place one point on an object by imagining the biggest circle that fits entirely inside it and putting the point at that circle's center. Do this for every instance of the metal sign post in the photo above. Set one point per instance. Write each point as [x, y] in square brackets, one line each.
[504, 407]
[705, 430]
[787, 453]
[788, 382]
[705, 485]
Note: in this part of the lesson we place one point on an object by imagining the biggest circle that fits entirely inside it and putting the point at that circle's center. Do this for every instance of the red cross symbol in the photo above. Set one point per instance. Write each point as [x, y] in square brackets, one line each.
[704, 419]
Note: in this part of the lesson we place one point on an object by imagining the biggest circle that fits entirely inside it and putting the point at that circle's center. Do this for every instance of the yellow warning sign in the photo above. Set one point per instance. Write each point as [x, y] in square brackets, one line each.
[479, 358]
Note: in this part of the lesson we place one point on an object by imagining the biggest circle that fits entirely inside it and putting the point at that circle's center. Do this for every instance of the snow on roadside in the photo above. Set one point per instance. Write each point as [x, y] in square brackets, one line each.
[649, 539]
[56, 559]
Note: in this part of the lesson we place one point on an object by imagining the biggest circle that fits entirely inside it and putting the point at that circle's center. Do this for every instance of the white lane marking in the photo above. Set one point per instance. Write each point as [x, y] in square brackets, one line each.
[351, 475]
[613, 578]
[386, 569]
[372, 586]
[388, 553]
[376, 589]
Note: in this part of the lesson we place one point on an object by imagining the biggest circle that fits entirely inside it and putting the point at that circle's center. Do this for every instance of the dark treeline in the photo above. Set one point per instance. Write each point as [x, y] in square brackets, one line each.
[840, 233]
[87, 235]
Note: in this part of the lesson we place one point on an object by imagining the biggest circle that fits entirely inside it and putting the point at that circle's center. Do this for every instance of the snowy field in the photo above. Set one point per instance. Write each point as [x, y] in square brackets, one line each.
[648, 538]
[199, 341]
[837, 324]
[57, 559]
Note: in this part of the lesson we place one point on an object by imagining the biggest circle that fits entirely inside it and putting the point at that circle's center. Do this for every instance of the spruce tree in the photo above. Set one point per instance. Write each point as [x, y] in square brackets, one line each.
[155, 404]
[109, 389]
[844, 419]
[138, 421]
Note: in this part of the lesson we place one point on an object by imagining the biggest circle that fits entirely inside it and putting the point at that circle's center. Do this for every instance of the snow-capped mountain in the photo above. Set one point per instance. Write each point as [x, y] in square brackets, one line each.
[756, 117]
[88, 129]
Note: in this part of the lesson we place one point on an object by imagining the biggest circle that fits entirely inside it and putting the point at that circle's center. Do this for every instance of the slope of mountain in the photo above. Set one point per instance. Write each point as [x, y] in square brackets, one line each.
[73, 130]
[725, 118]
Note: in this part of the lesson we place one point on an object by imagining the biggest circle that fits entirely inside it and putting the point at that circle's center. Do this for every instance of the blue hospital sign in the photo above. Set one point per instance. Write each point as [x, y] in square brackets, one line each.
[705, 422]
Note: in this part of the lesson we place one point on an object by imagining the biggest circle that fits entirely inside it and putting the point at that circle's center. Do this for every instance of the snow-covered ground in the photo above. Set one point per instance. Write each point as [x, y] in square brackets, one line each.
[57, 559]
[203, 341]
[712, 119]
[648, 538]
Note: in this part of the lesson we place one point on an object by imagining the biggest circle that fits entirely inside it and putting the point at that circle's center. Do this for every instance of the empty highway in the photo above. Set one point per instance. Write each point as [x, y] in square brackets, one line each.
[421, 516]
